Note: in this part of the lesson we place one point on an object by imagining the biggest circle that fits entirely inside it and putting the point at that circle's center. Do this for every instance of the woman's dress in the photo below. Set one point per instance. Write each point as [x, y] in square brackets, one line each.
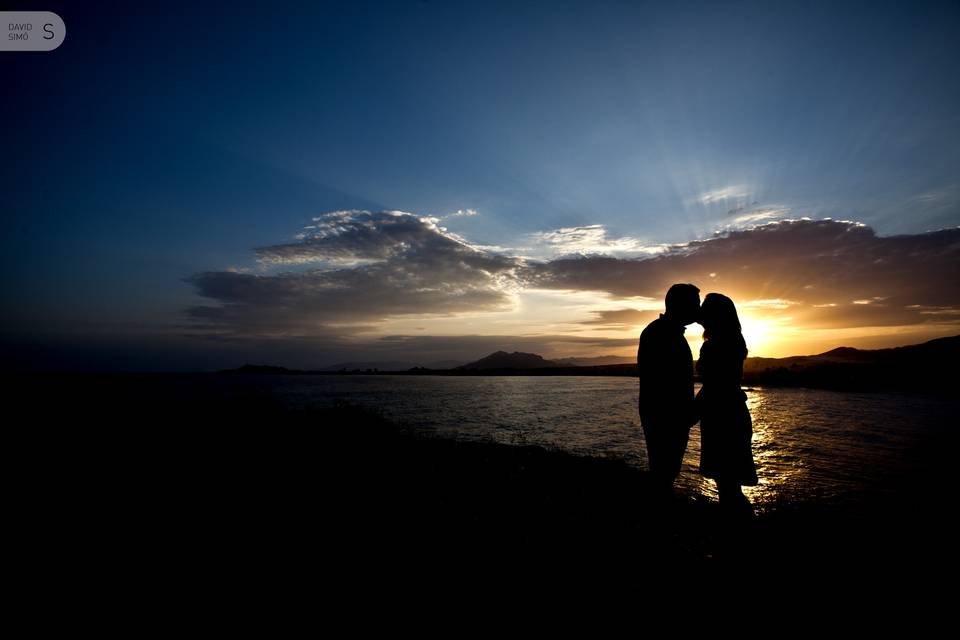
[726, 429]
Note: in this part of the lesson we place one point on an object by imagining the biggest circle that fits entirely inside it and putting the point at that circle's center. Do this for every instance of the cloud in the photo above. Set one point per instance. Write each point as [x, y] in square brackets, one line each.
[621, 318]
[359, 269]
[370, 266]
[590, 239]
[724, 194]
[804, 262]
[461, 213]
[747, 216]
[775, 303]
[350, 236]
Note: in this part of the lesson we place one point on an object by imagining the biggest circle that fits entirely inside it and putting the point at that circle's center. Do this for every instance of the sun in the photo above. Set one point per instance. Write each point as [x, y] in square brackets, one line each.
[765, 337]
[762, 335]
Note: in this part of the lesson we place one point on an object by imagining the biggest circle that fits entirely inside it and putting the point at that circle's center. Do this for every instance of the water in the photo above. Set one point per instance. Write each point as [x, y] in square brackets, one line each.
[807, 443]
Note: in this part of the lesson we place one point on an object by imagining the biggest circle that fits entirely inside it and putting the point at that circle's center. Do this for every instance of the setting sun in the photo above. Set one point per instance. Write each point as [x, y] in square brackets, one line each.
[763, 336]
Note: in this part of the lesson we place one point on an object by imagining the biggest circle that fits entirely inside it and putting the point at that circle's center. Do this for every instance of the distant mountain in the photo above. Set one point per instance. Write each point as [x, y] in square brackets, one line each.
[520, 360]
[363, 366]
[393, 366]
[921, 366]
[515, 360]
[350, 367]
[846, 353]
[444, 364]
[594, 361]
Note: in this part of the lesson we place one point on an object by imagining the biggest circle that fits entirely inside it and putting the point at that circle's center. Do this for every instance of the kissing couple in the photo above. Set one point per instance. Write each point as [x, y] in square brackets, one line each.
[668, 407]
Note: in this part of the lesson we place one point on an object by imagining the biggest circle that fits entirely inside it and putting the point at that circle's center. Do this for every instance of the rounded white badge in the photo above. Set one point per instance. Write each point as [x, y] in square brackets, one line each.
[31, 31]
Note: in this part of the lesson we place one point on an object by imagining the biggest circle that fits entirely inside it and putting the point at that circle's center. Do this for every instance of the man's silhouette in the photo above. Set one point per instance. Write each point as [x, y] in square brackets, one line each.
[665, 366]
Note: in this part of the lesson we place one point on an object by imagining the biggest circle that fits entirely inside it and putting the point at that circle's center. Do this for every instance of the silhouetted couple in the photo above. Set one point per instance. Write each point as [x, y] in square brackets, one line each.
[668, 407]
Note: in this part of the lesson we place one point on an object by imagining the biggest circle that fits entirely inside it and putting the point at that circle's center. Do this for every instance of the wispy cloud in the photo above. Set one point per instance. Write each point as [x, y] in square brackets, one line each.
[461, 213]
[750, 216]
[621, 318]
[724, 194]
[775, 303]
[585, 240]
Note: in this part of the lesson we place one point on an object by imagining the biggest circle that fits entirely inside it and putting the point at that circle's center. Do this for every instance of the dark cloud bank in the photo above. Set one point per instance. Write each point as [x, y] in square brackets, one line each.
[371, 266]
[809, 265]
[352, 269]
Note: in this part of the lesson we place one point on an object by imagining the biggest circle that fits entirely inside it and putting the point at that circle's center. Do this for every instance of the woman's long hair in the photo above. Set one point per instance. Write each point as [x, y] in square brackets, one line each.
[720, 321]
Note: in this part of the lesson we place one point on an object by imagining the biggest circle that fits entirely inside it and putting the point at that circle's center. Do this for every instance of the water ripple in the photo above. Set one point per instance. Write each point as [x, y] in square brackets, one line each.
[805, 441]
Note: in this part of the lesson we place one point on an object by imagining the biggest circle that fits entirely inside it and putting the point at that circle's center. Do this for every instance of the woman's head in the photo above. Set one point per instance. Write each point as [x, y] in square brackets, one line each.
[719, 319]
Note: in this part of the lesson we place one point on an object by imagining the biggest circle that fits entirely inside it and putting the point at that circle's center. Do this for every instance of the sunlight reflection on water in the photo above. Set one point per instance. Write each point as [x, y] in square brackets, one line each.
[805, 442]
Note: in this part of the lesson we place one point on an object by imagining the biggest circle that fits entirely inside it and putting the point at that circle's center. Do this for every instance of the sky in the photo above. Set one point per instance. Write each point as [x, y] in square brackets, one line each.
[301, 184]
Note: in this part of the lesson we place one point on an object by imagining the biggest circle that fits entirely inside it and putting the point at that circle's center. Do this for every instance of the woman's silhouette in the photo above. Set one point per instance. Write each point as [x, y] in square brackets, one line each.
[725, 425]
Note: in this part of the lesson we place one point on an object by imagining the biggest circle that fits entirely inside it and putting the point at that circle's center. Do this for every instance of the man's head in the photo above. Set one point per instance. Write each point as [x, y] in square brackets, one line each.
[683, 303]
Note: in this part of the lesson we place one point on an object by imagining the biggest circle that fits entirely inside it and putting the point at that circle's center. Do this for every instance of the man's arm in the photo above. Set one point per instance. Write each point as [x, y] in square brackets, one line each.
[650, 357]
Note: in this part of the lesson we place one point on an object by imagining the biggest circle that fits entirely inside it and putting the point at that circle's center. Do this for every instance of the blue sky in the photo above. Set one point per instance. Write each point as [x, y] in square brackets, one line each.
[161, 142]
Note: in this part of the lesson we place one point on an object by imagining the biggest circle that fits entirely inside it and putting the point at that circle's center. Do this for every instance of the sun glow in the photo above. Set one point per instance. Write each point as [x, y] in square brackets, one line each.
[762, 335]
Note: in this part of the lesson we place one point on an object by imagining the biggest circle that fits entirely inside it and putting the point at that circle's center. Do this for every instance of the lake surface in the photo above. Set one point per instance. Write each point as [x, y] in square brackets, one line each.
[807, 443]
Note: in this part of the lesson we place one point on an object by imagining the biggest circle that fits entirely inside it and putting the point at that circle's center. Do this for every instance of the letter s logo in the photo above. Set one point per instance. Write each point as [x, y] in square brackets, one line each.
[30, 30]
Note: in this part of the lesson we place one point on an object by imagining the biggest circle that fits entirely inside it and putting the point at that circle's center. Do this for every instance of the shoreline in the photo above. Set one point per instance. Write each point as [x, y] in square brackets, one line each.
[245, 473]
[844, 379]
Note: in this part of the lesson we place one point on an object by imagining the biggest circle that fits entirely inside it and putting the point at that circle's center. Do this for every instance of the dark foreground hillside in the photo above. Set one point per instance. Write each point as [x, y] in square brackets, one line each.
[114, 478]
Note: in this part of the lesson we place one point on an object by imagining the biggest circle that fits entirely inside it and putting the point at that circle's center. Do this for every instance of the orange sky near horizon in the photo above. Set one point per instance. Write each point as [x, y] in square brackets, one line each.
[772, 328]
